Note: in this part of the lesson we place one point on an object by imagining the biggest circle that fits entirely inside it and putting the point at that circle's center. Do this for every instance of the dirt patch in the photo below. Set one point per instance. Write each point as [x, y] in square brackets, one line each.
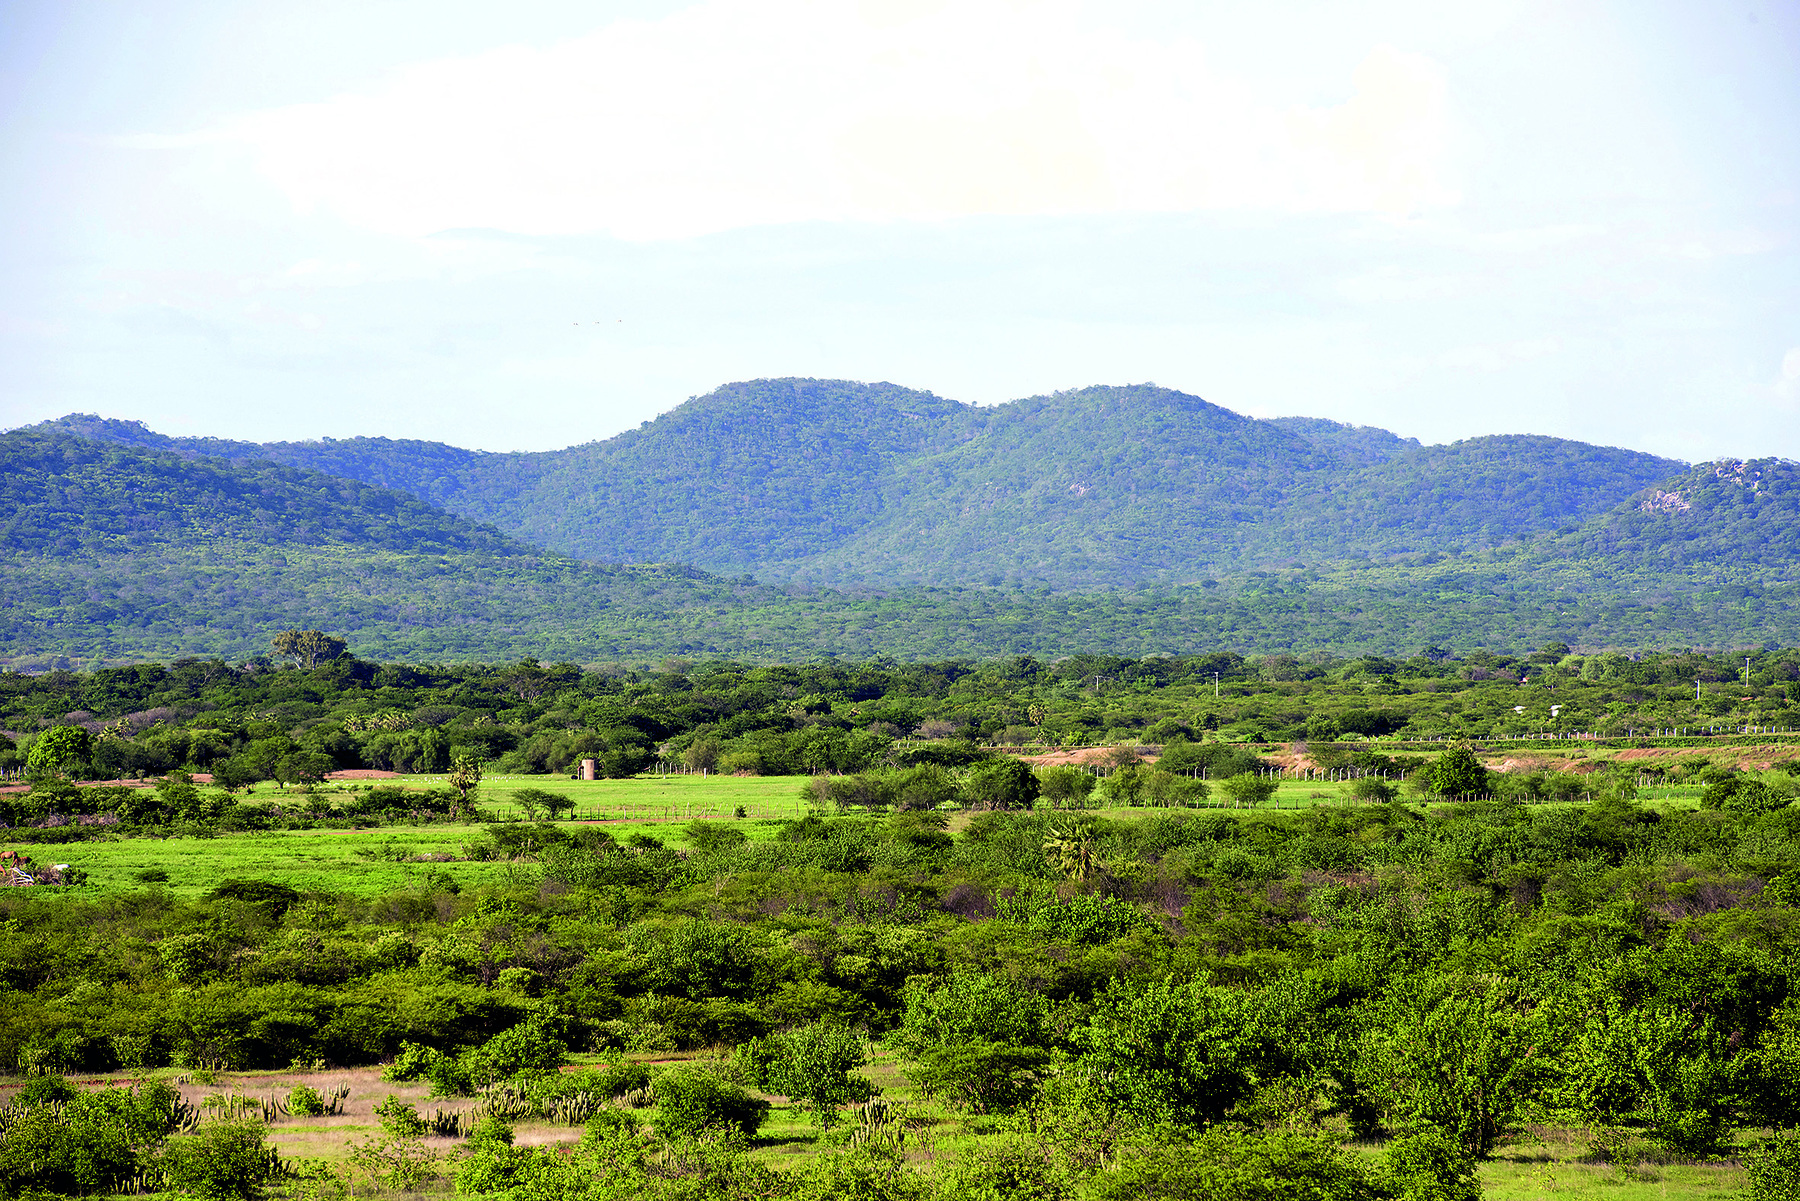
[1744, 758]
[1083, 756]
[358, 773]
[1075, 758]
[328, 1137]
[1521, 763]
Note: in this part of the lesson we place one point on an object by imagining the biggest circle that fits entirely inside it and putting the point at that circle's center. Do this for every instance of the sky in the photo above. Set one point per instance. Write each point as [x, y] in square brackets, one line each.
[534, 224]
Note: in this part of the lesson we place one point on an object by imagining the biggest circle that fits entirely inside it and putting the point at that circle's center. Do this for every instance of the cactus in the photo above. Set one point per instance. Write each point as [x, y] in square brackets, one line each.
[575, 1109]
[880, 1125]
[454, 1124]
[508, 1103]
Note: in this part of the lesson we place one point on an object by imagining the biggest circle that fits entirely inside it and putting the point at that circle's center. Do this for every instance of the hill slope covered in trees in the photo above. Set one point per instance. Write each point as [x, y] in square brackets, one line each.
[1171, 525]
[60, 493]
[836, 483]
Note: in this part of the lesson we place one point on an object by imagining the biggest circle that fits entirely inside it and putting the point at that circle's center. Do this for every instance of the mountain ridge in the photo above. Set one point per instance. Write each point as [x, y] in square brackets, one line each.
[837, 483]
[118, 552]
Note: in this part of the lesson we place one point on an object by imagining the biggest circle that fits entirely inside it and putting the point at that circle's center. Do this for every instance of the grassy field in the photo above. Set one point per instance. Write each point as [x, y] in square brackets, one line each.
[389, 858]
[647, 797]
[1546, 1164]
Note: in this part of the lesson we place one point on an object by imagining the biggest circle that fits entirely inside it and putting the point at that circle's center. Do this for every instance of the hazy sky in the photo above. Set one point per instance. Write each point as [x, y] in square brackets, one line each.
[525, 224]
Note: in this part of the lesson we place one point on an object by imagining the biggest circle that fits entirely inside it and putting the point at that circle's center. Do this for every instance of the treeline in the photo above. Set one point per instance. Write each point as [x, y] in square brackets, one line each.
[262, 720]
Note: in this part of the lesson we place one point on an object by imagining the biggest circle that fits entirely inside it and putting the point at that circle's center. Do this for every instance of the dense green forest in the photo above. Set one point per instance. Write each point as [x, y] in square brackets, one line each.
[227, 598]
[836, 483]
[962, 980]
[64, 495]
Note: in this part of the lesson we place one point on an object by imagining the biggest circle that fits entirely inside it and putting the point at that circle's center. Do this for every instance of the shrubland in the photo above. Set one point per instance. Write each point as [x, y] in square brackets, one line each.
[950, 975]
[1205, 1000]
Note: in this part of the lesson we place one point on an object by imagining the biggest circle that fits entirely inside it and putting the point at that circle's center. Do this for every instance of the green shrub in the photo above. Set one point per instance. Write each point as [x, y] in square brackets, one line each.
[1065, 787]
[1174, 1054]
[229, 1161]
[1001, 784]
[611, 1080]
[1743, 794]
[304, 1102]
[46, 1090]
[1014, 1169]
[755, 1058]
[815, 1070]
[1231, 1165]
[1431, 1166]
[530, 1046]
[400, 1118]
[690, 1100]
[1774, 1169]
[490, 1162]
[709, 837]
[980, 1077]
[1248, 788]
[1374, 789]
[859, 1174]
[448, 1076]
[1454, 1054]
[1085, 918]
[73, 1152]
[970, 1007]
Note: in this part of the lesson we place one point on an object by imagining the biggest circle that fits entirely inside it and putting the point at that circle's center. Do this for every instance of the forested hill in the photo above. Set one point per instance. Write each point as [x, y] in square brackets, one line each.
[60, 494]
[753, 473]
[114, 552]
[1133, 486]
[1469, 495]
[837, 483]
[472, 483]
[1743, 515]
[1093, 488]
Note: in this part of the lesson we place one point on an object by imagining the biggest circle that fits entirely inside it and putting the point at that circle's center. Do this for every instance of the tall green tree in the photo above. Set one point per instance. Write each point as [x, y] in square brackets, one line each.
[1457, 772]
[60, 751]
[307, 648]
[817, 1070]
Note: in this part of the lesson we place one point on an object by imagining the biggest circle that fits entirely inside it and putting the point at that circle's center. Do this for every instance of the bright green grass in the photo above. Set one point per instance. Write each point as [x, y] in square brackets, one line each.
[662, 798]
[1545, 1165]
[369, 861]
[648, 797]
[323, 860]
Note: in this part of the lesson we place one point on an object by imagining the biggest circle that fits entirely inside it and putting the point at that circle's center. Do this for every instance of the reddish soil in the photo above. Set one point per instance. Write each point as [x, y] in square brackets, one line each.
[1744, 758]
[1081, 756]
[359, 773]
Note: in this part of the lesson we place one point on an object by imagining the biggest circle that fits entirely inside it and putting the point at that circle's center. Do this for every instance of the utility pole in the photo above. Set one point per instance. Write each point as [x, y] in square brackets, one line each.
[1215, 685]
[1746, 671]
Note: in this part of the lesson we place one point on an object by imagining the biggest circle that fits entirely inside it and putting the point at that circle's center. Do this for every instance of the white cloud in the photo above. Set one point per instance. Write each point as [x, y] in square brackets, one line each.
[749, 112]
[1788, 386]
